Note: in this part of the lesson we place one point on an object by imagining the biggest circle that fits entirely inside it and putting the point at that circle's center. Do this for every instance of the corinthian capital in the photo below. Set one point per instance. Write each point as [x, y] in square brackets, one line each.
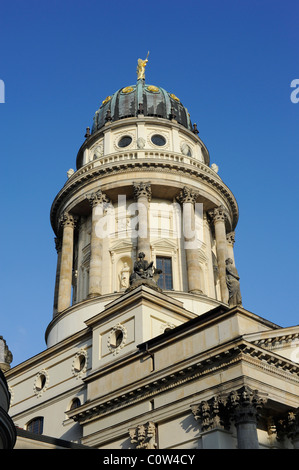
[98, 198]
[67, 220]
[187, 195]
[218, 214]
[211, 414]
[144, 436]
[230, 237]
[245, 404]
[142, 189]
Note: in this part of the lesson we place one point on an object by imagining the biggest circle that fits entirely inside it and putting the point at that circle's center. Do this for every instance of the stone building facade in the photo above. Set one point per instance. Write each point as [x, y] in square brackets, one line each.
[149, 345]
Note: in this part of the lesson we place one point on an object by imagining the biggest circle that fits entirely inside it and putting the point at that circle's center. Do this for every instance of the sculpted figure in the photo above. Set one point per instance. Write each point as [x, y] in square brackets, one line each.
[142, 269]
[141, 68]
[144, 273]
[233, 283]
[124, 276]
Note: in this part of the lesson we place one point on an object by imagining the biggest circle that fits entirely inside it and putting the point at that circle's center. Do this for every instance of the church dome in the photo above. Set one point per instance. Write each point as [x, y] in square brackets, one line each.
[149, 100]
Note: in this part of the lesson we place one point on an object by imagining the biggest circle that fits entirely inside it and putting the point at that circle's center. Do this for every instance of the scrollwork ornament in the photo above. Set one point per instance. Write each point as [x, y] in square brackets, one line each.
[117, 338]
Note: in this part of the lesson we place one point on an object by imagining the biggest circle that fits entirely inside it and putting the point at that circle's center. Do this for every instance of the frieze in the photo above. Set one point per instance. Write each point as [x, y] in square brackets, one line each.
[206, 366]
[92, 172]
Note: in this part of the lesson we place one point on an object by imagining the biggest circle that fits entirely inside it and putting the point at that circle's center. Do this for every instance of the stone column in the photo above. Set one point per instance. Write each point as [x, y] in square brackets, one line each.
[142, 195]
[218, 217]
[98, 202]
[66, 265]
[245, 405]
[58, 246]
[187, 199]
[207, 239]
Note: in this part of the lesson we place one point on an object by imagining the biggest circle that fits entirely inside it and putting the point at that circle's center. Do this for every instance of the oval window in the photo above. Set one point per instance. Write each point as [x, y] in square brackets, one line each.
[125, 141]
[158, 139]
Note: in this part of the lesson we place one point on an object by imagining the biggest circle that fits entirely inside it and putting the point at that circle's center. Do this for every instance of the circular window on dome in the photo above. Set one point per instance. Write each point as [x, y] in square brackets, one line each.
[125, 141]
[158, 139]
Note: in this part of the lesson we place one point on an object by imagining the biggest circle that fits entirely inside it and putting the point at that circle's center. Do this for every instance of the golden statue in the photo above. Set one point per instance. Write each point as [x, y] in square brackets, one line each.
[141, 68]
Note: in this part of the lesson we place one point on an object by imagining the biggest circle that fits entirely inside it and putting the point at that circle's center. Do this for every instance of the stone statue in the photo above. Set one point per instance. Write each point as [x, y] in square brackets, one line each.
[144, 273]
[5, 355]
[125, 276]
[233, 283]
[141, 68]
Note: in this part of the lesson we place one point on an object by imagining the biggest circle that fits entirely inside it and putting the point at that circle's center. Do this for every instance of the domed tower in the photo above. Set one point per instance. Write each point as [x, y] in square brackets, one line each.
[143, 184]
[149, 346]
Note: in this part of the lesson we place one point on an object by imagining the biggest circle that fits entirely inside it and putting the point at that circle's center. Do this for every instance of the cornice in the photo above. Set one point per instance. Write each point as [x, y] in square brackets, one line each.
[154, 162]
[161, 381]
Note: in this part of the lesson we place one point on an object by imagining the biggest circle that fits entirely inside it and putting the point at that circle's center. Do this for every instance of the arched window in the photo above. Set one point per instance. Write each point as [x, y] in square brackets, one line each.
[75, 403]
[36, 425]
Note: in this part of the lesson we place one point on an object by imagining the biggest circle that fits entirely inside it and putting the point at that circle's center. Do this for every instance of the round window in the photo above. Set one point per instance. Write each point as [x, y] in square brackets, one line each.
[116, 338]
[158, 139]
[79, 363]
[41, 382]
[125, 141]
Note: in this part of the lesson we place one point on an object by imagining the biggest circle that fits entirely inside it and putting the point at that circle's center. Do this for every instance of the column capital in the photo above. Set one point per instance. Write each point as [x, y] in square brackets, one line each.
[288, 425]
[218, 214]
[144, 436]
[187, 195]
[98, 197]
[142, 189]
[230, 237]
[212, 414]
[67, 220]
[245, 405]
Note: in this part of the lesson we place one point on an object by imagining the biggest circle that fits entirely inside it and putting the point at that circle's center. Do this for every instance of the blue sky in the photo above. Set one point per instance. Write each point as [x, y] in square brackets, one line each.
[231, 63]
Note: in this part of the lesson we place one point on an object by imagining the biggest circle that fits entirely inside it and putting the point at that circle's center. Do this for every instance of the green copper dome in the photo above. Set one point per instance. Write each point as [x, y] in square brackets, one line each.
[141, 98]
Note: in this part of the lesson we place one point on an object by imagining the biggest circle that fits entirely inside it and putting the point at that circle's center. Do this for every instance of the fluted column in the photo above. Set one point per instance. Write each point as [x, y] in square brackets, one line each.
[98, 202]
[245, 405]
[66, 264]
[218, 217]
[58, 246]
[142, 195]
[187, 199]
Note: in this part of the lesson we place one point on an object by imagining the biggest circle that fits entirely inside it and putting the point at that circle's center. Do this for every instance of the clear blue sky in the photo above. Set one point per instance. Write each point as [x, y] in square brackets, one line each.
[230, 62]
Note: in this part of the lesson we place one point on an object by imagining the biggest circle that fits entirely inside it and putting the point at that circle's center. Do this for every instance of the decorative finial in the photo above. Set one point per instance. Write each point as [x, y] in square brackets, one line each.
[141, 68]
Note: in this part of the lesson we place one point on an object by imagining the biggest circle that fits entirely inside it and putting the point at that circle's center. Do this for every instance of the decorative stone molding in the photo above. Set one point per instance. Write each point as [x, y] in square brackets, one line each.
[230, 237]
[6, 356]
[239, 406]
[187, 195]
[96, 170]
[167, 326]
[98, 198]
[142, 190]
[41, 383]
[211, 414]
[119, 137]
[288, 426]
[144, 436]
[117, 338]
[67, 220]
[218, 214]
[80, 362]
[245, 405]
